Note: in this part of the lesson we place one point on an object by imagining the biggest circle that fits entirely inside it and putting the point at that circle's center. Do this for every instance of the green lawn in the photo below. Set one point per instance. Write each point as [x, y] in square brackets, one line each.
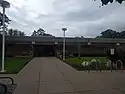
[15, 64]
[76, 62]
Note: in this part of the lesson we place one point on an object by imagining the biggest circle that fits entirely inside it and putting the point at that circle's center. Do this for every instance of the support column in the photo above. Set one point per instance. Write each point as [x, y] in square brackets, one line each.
[79, 50]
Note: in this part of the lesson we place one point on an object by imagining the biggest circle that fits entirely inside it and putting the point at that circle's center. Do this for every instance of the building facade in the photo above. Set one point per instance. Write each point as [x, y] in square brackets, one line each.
[52, 46]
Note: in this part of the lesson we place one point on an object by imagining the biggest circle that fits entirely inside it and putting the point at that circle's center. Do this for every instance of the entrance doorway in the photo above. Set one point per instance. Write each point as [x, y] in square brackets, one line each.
[44, 50]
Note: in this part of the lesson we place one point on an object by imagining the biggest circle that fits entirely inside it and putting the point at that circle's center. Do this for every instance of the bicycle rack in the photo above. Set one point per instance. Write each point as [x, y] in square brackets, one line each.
[98, 66]
[121, 67]
[85, 65]
[9, 88]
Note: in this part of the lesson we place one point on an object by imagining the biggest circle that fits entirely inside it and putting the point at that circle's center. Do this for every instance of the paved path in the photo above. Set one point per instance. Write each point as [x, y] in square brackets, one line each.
[52, 76]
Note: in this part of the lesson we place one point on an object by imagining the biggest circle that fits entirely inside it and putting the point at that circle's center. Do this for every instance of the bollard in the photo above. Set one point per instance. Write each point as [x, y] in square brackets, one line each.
[100, 67]
[85, 65]
[121, 63]
[109, 65]
[117, 62]
[121, 66]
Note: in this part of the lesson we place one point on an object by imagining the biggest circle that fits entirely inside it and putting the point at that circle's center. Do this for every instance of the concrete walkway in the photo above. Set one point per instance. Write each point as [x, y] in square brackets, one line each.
[52, 76]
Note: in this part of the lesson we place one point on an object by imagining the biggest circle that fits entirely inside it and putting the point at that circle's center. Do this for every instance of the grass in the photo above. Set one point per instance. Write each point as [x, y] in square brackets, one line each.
[13, 65]
[76, 62]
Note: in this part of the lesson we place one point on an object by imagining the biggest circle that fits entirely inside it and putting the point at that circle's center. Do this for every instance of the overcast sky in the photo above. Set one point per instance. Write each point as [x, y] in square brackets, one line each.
[81, 17]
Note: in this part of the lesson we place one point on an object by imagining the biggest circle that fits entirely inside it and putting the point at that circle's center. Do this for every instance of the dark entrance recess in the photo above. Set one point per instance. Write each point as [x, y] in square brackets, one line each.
[44, 50]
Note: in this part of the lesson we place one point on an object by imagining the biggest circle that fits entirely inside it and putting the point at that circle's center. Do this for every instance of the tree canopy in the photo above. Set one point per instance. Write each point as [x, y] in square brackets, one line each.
[109, 33]
[14, 32]
[40, 32]
[7, 20]
[105, 2]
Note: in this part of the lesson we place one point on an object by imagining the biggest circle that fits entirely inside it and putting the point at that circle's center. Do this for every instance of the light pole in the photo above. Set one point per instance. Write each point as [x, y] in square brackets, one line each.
[64, 42]
[3, 4]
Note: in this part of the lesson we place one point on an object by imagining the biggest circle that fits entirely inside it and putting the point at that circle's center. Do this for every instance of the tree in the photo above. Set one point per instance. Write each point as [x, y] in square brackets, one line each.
[6, 33]
[21, 33]
[109, 33]
[15, 32]
[122, 34]
[34, 33]
[105, 2]
[10, 32]
[7, 20]
[40, 32]
[98, 37]
[82, 37]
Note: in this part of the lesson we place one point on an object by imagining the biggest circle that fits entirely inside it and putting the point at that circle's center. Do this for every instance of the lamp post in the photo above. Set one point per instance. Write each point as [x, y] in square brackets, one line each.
[3, 4]
[64, 29]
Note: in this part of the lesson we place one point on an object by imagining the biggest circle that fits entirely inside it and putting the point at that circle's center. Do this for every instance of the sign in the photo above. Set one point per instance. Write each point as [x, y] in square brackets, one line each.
[33, 42]
[112, 51]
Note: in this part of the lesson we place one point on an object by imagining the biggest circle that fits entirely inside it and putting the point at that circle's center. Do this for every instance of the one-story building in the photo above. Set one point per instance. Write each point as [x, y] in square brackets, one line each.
[53, 46]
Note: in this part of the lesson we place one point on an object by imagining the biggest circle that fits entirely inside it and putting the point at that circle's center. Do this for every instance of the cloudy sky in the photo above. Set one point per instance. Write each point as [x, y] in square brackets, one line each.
[81, 17]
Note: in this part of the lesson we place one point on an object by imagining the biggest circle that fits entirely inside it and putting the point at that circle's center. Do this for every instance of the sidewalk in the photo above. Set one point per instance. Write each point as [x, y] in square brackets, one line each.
[104, 82]
[27, 79]
[52, 76]
[50, 80]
